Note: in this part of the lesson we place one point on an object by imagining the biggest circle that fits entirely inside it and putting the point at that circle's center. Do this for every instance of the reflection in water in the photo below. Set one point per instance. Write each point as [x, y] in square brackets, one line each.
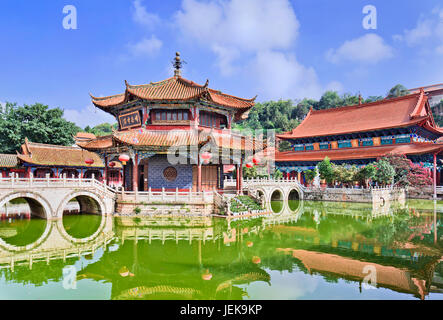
[81, 226]
[319, 251]
[20, 232]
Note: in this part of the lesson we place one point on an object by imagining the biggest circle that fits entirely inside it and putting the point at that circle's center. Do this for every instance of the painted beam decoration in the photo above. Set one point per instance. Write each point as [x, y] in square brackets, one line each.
[129, 120]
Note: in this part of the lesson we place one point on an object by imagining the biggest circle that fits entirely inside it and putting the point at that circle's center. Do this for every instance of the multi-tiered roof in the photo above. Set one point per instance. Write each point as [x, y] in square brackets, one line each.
[409, 115]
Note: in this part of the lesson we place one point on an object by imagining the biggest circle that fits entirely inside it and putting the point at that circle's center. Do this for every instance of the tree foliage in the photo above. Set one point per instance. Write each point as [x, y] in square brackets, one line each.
[385, 173]
[397, 91]
[326, 170]
[102, 129]
[36, 122]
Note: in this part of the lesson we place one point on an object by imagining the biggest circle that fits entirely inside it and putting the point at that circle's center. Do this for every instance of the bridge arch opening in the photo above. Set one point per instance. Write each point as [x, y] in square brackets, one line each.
[277, 201]
[293, 200]
[23, 221]
[82, 216]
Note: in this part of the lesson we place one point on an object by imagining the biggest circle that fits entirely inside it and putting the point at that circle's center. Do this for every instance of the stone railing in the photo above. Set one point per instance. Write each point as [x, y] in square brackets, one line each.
[14, 182]
[163, 196]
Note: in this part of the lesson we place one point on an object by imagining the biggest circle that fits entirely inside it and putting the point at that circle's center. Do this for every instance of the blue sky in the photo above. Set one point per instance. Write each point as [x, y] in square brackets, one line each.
[270, 48]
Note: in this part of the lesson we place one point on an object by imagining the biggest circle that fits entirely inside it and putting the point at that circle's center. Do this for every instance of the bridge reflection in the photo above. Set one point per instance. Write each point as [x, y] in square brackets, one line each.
[166, 257]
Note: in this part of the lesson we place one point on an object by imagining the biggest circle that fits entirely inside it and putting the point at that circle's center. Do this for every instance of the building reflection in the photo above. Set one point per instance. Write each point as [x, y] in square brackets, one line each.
[204, 258]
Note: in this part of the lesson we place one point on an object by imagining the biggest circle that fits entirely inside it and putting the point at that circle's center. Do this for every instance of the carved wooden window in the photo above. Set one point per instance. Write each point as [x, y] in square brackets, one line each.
[170, 174]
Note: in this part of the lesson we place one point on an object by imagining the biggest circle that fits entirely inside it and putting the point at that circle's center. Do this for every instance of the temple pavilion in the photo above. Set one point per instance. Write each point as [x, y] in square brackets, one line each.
[360, 134]
[158, 118]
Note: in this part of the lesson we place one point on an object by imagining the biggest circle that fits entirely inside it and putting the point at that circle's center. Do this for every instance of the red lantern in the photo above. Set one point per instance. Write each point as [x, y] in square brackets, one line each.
[256, 160]
[112, 164]
[249, 165]
[89, 161]
[123, 158]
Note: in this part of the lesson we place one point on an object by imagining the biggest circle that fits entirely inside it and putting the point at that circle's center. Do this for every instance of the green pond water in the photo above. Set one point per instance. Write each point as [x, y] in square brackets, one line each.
[309, 250]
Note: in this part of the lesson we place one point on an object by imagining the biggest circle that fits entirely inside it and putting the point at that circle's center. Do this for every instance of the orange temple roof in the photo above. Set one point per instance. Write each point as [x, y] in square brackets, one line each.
[361, 152]
[384, 114]
[174, 88]
[168, 138]
[54, 155]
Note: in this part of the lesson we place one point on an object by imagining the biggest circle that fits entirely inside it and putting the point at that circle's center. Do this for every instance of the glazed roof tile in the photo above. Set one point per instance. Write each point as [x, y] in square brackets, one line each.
[389, 113]
[8, 160]
[174, 88]
[53, 155]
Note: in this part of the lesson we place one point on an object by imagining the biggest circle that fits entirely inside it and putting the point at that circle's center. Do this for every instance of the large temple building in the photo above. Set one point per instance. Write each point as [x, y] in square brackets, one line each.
[158, 118]
[360, 134]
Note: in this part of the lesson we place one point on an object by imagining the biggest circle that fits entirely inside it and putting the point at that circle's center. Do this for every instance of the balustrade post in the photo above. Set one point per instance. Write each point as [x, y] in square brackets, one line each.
[12, 179]
[31, 178]
[163, 193]
[149, 194]
[64, 180]
[47, 179]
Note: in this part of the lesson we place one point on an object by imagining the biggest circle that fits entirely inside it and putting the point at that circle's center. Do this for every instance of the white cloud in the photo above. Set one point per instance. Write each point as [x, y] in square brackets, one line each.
[146, 46]
[143, 17]
[369, 49]
[248, 25]
[255, 38]
[88, 116]
[335, 86]
[428, 31]
[279, 75]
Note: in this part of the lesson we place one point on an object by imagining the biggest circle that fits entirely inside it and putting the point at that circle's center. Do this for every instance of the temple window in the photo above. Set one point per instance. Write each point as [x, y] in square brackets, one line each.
[345, 144]
[299, 147]
[309, 147]
[170, 115]
[403, 139]
[367, 142]
[212, 120]
[386, 140]
[324, 146]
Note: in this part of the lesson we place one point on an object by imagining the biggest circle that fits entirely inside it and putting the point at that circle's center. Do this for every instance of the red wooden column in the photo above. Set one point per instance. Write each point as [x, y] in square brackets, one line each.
[435, 176]
[135, 174]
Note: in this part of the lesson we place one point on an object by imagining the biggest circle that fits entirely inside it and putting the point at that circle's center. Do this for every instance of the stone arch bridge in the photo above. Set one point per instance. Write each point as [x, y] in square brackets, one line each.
[274, 189]
[48, 197]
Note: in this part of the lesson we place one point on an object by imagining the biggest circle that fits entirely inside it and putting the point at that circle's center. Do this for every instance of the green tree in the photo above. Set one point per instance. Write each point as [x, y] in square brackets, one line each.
[402, 167]
[326, 170]
[385, 173]
[102, 129]
[330, 99]
[397, 91]
[249, 173]
[310, 175]
[365, 174]
[277, 174]
[36, 122]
